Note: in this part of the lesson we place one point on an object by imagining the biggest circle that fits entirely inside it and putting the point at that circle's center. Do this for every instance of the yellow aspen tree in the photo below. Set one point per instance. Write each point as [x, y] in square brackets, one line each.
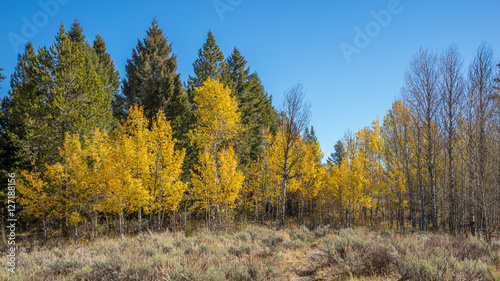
[97, 151]
[313, 175]
[262, 183]
[218, 123]
[36, 198]
[165, 185]
[280, 158]
[231, 179]
[337, 188]
[133, 139]
[370, 144]
[356, 178]
[64, 186]
[71, 177]
[124, 192]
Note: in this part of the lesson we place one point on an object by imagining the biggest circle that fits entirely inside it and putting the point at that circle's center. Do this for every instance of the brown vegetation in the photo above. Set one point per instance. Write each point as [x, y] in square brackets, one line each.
[257, 253]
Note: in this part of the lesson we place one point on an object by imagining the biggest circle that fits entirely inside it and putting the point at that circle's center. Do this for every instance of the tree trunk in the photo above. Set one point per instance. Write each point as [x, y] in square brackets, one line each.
[122, 226]
[95, 224]
[283, 203]
[139, 216]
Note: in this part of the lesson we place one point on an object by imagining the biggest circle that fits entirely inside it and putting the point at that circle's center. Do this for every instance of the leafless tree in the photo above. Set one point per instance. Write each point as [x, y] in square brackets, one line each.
[451, 93]
[294, 120]
[421, 91]
[496, 193]
[481, 100]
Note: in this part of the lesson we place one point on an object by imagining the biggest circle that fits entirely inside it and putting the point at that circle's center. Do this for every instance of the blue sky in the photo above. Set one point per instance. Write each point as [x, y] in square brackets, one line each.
[284, 41]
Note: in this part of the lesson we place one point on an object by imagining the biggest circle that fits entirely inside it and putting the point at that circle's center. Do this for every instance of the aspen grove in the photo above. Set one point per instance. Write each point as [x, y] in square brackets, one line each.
[157, 154]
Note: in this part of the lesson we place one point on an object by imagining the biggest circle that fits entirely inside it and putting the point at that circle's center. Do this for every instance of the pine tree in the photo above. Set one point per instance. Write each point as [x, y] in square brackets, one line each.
[151, 80]
[76, 32]
[6, 151]
[257, 112]
[113, 75]
[4, 141]
[56, 90]
[339, 154]
[310, 136]
[237, 72]
[210, 63]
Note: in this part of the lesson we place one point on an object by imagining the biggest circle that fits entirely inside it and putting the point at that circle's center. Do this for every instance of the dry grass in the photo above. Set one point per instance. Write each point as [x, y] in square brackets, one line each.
[252, 254]
[263, 254]
[362, 254]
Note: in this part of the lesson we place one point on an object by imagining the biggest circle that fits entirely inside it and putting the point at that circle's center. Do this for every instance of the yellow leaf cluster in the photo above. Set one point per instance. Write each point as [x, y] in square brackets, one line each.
[216, 178]
[136, 167]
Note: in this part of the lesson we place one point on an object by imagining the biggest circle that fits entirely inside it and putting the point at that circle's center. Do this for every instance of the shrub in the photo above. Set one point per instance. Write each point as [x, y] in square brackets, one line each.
[377, 259]
[302, 234]
[495, 245]
[100, 271]
[320, 232]
[180, 242]
[188, 231]
[182, 274]
[474, 270]
[139, 271]
[243, 236]
[238, 273]
[272, 240]
[328, 247]
[213, 274]
[293, 245]
[472, 248]
[418, 270]
[147, 251]
[62, 267]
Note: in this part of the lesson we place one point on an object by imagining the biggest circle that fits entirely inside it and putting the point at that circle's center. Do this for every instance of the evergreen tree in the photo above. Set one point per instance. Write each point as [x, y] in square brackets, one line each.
[56, 90]
[210, 63]
[152, 81]
[256, 108]
[76, 32]
[310, 136]
[339, 154]
[311, 140]
[109, 68]
[330, 158]
[7, 158]
[237, 72]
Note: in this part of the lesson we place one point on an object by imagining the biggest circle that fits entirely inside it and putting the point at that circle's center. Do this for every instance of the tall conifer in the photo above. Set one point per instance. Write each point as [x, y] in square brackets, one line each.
[53, 91]
[152, 81]
[255, 106]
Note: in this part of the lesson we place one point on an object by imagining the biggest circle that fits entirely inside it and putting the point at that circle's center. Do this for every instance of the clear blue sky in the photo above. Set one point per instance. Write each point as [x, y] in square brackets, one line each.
[284, 41]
